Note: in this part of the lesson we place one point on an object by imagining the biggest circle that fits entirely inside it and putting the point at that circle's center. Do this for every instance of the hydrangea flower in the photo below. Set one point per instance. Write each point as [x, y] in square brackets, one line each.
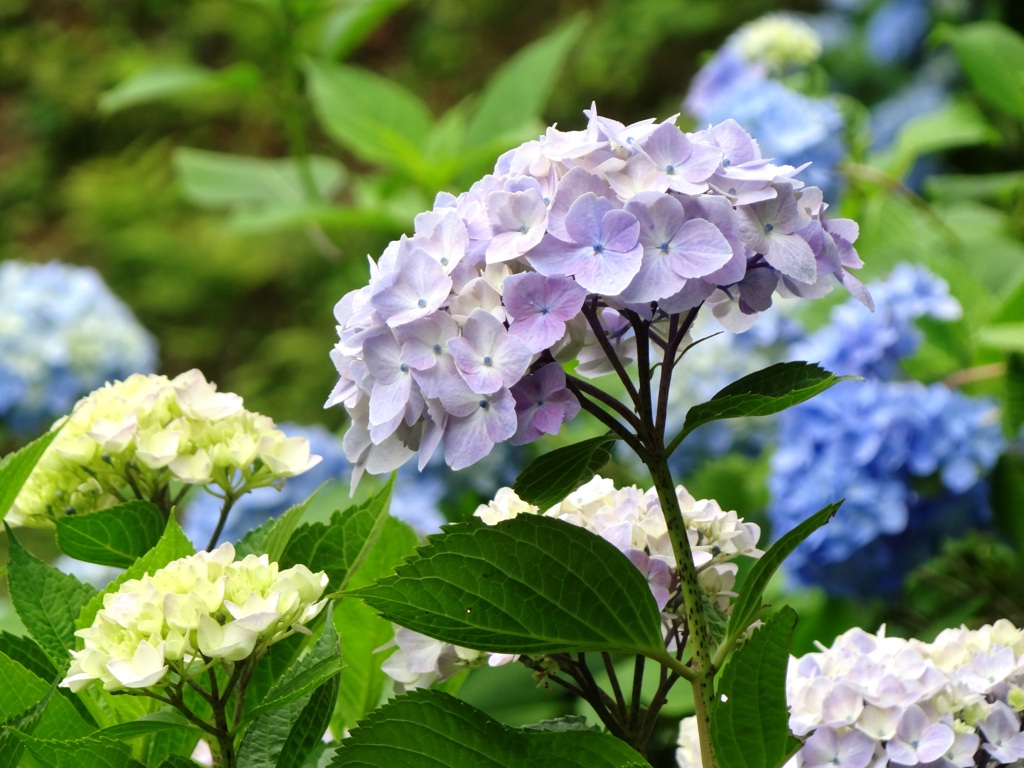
[630, 519]
[742, 81]
[132, 438]
[872, 700]
[196, 609]
[443, 344]
[62, 334]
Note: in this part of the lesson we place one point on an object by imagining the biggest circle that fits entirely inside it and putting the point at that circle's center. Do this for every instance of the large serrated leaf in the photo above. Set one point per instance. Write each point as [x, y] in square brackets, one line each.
[748, 604]
[47, 600]
[21, 690]
[17, 467]
[532, 584]
[516, 93]
[339, 547]
[767, 391]
[173, 544]
[117, 536]
[448, 732]
[548, 479]
[376, 119]
[91, 751]
[750, 719]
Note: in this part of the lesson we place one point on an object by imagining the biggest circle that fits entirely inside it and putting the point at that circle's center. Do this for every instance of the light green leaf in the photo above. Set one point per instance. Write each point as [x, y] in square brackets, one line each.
[47, 600]
[177, 80]
[21, 690]
[748, 604]
[17, 467]
[93, 751]
[548, 479]
[765, 392]
[449, 732]
[218, 180]
[340, 546]
[992, 55]
[517, 92]
[350, 23]
[750, 720]
[376, 119]
[117, 536]
[469, 586]
[272, 536]
[174, 544]
[297, 711]
[1008, 337]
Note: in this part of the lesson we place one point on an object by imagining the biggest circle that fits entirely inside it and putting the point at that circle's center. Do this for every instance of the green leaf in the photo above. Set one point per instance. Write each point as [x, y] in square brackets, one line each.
[446, 731]
[750, 719]
[21, 690]
[548, 479]
[272, 536]
[767, 391]
[11, 747]
[363, 632]
[297, 711]
[374, 118]
[117, 536]
[218, 180]
[350, 24]
[748, 604]
[47, 600]
[164, 720]
[17, 468]
[517, 92]
[339, 546]
[471, 586]
[91, 751]
[174, 544]
[1008, 337]
[1008, 497]
[177, 80]
[1013, 397]
[992, 55]
[27, 652]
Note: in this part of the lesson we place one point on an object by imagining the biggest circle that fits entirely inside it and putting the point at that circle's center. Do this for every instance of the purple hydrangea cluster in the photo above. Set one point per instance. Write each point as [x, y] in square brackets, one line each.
[461, 334]
[878, 701]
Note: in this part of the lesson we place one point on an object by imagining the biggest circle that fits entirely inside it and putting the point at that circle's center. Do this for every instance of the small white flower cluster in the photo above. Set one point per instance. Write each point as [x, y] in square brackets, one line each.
[779, 41]
[872, 700]
[197, 609]
[130, 439]
[630, 519]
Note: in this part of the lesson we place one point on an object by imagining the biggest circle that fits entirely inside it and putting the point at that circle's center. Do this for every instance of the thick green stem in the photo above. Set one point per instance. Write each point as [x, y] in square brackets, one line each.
[701, 667]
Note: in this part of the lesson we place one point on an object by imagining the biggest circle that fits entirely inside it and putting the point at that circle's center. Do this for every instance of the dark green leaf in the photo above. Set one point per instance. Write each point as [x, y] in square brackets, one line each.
[174, 544]
[750, 719]
[1008, 497]
[515, 95]
[748, 604]
[297, 711]
[532, 584]
[92, 751]
[548, 479]
[447, 732]
[117, 536]
[31, 656]
[349, 24]
[373, 117]
[167, 720]
[17, 467]
[992, 55]
[20, 691]
[47, 600]
[340, 546]
[1013, 399]
[767, 391]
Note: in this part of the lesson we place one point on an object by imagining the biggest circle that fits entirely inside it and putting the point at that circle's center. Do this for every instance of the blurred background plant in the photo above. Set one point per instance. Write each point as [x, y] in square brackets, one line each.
[227, 165]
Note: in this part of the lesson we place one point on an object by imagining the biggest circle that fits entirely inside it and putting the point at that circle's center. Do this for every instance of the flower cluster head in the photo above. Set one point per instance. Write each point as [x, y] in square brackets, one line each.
[631, 520]
[200, 608]
[62, 334]
[872, 700]
[462, 331]
[132, 438]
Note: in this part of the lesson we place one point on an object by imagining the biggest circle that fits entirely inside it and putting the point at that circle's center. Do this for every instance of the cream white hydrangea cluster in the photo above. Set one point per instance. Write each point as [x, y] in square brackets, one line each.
[780, 41]
[132, 438]
[632, 520]
[872, 700]
[200, 608]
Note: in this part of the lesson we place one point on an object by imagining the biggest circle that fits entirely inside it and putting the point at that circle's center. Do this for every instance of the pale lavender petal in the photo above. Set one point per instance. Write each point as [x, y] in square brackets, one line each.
[792, 256]
[703, 249]
[486, 355]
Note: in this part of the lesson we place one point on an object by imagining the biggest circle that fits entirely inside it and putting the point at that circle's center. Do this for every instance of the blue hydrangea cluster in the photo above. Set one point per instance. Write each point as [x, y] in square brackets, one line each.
[909, 459]
[62, 335]
[415, 500]
[745, 80]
